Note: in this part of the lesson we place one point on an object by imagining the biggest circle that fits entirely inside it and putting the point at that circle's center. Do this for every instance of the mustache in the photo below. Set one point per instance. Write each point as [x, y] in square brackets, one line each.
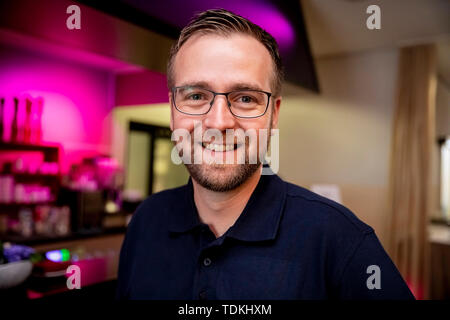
[238, 146]
[246, 149]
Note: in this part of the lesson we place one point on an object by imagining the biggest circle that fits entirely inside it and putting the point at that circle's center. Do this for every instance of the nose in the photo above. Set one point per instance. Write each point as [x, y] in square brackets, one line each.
[220, 116]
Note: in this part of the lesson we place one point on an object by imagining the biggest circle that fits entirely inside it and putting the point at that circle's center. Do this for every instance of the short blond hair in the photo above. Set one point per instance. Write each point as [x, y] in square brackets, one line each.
[223, 22]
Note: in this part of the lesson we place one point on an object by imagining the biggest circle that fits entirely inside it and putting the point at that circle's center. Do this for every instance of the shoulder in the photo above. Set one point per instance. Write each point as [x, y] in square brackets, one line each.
[156, 205]
[166, 196]
[304, 204]
[328, 227]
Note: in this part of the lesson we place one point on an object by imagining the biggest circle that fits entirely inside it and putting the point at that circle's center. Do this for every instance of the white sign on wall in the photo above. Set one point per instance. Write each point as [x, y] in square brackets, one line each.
[330, 191]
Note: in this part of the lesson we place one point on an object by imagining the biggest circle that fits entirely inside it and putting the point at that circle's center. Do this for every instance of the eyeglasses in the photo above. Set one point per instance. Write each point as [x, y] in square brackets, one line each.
[193, 100]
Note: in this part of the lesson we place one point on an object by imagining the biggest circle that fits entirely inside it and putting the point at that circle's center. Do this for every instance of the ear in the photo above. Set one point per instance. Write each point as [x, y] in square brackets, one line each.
[171, 111]
[275, 112]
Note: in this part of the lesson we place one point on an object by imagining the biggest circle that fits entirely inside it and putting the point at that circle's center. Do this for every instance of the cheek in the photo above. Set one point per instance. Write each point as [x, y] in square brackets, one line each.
[261, 126]
[255, 124]
[181, 121]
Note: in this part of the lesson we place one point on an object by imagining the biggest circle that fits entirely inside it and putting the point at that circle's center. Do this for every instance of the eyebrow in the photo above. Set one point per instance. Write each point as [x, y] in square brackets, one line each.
[235, 86]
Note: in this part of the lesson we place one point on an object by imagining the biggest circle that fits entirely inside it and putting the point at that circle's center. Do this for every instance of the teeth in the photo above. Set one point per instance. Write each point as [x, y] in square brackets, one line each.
[218, 147]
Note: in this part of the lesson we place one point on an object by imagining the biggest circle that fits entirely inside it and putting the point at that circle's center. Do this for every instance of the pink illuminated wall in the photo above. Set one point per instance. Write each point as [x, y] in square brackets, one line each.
[142, 87]
[77, 100]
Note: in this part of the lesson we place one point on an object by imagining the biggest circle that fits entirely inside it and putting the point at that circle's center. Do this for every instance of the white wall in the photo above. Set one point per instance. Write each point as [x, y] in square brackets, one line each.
[156, 114]
[342, 136]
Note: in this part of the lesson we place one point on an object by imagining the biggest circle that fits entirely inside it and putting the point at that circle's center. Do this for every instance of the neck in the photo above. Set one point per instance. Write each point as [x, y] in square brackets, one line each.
[220, 210]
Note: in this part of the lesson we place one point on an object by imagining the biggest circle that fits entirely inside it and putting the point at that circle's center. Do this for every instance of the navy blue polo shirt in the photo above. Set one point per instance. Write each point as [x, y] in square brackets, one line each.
[288, 243]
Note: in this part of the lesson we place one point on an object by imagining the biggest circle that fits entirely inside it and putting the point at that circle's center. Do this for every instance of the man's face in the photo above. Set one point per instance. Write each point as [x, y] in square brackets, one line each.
[224, 64]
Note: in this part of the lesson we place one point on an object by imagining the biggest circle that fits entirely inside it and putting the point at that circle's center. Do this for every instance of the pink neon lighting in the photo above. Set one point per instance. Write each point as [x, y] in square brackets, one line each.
[77, 99]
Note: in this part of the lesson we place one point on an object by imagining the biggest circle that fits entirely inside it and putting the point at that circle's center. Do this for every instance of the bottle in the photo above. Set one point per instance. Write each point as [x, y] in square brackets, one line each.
[15, 124]
[2, 118]
[27, 128]
[38, 128]
[8, 184]
[2, 257]
[26, 222]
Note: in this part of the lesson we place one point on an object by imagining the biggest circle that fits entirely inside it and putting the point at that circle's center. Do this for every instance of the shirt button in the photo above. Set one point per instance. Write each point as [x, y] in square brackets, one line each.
[202, 295]
[207, 262]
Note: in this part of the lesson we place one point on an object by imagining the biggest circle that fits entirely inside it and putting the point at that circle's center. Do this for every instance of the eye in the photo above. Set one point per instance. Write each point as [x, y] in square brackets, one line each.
[245, 99]
[195, 96]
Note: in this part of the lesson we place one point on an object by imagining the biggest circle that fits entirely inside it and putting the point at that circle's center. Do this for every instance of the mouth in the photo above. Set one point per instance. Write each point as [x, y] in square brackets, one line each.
[216, 147]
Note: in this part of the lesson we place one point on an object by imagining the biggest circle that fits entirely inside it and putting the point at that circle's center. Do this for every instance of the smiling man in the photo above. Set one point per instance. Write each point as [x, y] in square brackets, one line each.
[233, 232]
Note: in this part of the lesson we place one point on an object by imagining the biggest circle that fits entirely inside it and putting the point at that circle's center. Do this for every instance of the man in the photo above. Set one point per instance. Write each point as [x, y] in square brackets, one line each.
[231, 232]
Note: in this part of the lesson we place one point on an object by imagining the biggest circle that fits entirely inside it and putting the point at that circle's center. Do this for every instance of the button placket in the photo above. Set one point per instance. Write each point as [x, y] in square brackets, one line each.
[202, 295]
[207, 262]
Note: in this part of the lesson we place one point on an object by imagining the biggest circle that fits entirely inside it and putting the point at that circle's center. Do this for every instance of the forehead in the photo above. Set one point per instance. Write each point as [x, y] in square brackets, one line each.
[223, 60]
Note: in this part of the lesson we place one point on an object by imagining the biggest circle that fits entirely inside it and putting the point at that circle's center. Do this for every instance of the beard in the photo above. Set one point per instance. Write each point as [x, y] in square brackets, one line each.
[226, 177]
[222, 177]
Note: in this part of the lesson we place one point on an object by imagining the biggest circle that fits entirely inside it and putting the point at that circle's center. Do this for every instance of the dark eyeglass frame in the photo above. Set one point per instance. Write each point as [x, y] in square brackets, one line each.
[269, 94]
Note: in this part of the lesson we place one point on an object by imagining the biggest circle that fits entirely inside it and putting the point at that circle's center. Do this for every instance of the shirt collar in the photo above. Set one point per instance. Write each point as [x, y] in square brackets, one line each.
[258, 221]
[183, 214]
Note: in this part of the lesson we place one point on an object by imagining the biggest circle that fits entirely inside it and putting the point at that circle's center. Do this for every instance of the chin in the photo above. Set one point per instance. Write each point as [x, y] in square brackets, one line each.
[221, 177]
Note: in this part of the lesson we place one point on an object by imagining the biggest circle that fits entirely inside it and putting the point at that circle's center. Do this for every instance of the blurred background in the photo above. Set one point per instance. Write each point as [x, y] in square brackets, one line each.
[84, 128]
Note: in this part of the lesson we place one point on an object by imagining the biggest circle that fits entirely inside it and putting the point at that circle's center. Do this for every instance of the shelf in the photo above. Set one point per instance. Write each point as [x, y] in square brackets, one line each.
[38, 240]
[46, 179]
[51, 151]
[11, 206]
[34, 175]
[28, 147]
[105, 289]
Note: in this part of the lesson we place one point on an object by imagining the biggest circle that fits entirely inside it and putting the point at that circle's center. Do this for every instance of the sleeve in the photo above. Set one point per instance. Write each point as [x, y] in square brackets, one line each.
[371, 275]
[124, 273]
[127, 255]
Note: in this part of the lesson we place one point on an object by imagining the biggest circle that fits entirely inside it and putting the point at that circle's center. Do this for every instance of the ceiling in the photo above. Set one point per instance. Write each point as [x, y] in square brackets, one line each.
[339, 27]
[170, 16]
[282, 19]
[333, 27]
